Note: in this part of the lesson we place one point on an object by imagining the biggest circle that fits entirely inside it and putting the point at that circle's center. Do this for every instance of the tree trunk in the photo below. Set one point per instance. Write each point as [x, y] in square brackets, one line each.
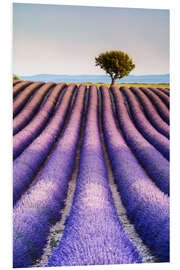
[113, 81]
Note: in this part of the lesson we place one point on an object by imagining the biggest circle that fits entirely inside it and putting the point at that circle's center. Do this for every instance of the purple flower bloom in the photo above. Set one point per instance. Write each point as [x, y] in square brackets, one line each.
[151, 113]
[160, 106]
[151, 159]
[40, 206]
[93, 232]
[23, 97]
[17, 88]
[164, 90]
[23, 138]
[147, 206]
[144, 126]
[28, 163]
[31, 108]
[162, 96]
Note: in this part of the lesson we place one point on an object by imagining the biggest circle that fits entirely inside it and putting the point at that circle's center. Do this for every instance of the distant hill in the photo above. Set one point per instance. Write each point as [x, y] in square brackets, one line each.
[165, 78]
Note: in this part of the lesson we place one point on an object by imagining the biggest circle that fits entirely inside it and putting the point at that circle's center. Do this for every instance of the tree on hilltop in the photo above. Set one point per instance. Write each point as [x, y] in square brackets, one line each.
[117, 64]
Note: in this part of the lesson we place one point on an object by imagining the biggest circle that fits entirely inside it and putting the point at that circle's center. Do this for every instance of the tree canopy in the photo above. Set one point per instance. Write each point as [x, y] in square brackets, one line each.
[15, 77]
[117, 64]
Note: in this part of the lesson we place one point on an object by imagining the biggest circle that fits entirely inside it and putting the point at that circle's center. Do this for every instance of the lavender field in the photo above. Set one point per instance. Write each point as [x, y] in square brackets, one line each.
[90, 174]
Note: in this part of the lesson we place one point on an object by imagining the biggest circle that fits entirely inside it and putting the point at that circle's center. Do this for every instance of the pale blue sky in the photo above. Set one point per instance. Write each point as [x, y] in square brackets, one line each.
[57, 39]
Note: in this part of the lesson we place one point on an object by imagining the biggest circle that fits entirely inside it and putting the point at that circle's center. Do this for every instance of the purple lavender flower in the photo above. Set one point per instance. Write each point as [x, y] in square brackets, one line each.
[23, 138]
[161, 95]
[164, 90]
[28, 163]
[17, 88]
[160, 142]
[23, 97]
[151, 159]
[151, 113]
[160, 106]
[147, 206]
[93, 234]
[40, 206]
[30, 108]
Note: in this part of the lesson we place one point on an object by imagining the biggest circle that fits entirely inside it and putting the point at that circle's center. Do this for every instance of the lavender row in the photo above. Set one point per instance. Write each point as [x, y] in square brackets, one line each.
[151, 112]
[161, 95]
[164, 90]
[26, 166]
[23, 97]
[93, 234]
[160, 106]
[20, 87]
[31, 108]
[16, 82]
[159, 141]
[40, 207]
[147, 207]
[23, 138]
[151, 159]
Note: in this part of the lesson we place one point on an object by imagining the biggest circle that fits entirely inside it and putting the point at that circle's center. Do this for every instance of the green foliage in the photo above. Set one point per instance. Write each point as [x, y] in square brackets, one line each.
[15, 77]
[155, 85]
[58, 231]
[115, 63]
[53, 243]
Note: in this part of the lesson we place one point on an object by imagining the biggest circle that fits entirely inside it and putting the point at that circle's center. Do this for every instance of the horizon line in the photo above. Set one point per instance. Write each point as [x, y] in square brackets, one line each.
[80, 74]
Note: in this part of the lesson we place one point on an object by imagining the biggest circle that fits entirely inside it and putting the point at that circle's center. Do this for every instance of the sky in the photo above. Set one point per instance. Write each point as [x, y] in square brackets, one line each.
[59, 39]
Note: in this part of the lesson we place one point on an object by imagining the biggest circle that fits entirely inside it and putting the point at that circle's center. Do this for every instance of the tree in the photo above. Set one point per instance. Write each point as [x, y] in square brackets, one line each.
[115, 63]
[15, 77]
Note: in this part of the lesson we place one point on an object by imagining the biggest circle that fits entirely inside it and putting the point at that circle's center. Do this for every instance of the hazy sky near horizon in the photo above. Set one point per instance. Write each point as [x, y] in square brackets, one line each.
[59, 39]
